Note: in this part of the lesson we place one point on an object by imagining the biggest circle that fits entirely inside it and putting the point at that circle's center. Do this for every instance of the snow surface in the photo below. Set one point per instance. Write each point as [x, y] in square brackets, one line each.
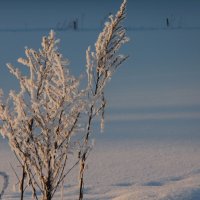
[151, 147]
[125, 170]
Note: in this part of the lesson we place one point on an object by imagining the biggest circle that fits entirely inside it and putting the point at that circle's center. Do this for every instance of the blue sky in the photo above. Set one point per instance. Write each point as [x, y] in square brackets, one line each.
[156, 91]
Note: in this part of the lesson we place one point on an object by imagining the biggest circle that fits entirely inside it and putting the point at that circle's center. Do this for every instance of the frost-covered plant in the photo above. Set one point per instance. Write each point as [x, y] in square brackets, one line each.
[101, 64]
[41, 118]
[50, 118]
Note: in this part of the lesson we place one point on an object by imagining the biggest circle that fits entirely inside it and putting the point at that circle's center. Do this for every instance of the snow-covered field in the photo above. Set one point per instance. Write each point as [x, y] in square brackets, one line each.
[139, 169]
[161, 161]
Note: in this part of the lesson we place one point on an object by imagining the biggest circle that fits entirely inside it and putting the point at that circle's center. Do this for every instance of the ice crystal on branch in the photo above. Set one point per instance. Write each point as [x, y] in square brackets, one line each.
[102, 63]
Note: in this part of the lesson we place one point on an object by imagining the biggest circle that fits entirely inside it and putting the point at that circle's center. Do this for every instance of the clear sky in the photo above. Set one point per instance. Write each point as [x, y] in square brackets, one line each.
[156, 92]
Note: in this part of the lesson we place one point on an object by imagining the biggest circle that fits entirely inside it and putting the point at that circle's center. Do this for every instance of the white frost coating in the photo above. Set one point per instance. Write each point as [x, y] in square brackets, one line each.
[41, 120]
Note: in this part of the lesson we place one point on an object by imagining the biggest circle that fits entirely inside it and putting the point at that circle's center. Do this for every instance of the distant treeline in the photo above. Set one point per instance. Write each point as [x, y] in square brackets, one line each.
[76, 28]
